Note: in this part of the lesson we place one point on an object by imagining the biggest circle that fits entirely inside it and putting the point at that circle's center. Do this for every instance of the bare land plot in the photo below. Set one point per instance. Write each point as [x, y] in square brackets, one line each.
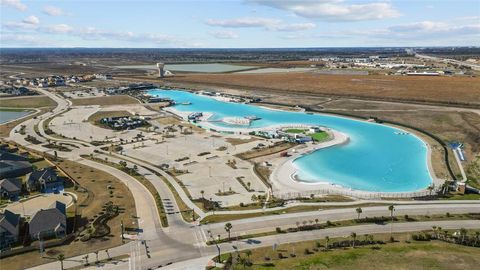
[449, 90]
[108, 100]
[27, 102]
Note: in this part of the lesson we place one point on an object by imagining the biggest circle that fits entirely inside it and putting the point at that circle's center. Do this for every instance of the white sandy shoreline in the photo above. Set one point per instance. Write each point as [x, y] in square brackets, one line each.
[284, 176]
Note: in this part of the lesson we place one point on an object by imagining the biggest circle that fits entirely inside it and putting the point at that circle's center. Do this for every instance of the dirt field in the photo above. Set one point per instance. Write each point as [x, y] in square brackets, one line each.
[109, 100]
[27, 102]
[451, 90]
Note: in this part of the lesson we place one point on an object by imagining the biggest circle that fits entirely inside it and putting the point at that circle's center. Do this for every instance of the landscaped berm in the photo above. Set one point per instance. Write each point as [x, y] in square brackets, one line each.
[370, 252]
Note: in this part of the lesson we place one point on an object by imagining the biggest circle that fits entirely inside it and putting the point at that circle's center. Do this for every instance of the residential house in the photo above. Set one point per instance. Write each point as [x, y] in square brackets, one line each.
[9, 229]
[49, 223]
[10, 188]
[12, 165]
[45, 180]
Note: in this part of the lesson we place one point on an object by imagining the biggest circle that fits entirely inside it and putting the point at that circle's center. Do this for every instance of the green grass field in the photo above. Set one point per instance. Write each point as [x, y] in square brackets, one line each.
[295, 130]
[27, 102]
[398, 255]
[319, 136]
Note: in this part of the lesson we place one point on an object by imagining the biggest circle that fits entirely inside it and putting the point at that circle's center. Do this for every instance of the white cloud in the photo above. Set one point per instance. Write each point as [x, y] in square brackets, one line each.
[31, 20]
[53, 11]
[18, 26]
[266, 23]
[333, 10]
[294, 27]
[421, 31]
[58, 29]
[243, 22]
[16, 4]
[224, 35]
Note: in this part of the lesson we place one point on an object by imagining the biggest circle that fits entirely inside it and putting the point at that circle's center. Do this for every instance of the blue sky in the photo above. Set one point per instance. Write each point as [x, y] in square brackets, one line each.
[239, 23]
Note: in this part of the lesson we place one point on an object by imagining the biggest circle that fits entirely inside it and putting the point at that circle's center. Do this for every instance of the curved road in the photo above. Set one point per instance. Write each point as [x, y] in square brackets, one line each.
[183, 241]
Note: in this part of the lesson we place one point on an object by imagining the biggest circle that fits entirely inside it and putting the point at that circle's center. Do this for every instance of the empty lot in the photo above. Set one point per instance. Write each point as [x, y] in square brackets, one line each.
[451, 90]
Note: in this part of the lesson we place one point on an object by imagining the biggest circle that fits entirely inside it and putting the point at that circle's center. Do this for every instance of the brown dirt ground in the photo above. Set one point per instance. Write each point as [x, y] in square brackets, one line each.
[108, 100]
[464, 90]
[27, 102]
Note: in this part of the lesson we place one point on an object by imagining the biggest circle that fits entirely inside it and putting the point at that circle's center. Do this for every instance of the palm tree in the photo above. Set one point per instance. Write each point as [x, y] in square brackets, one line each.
[228, 228]
[359, 211]
[248, 252]
[86, 259]
[108, 254]
[243, 262]
[367, 236]
[327, 240]
[439, 230]
[96, 256]
[248, 185]
[61, 258]
[354, 237]
[391, 208]
[463, 233]
[430, 189]
[202, 192]
[316, 221]
[477, 237]
[434, 229]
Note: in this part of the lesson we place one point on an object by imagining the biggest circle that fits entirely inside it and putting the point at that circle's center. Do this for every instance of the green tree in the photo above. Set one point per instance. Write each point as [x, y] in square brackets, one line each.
[359, 211]
[61, 258]
[228, 228]
[354, 238]
[463, 234]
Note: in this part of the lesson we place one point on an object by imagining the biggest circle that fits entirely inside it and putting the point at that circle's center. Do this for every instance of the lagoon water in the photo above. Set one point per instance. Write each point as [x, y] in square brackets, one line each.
[203, 68]
[6, 116]
[376, 158]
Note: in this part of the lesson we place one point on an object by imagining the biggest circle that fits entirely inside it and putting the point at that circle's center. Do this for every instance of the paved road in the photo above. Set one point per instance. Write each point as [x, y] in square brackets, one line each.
[200, 262]
[269, 223]
[182, 241]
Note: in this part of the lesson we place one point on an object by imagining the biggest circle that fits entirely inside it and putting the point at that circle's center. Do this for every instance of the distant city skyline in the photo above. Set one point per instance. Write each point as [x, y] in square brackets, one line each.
[239, 23]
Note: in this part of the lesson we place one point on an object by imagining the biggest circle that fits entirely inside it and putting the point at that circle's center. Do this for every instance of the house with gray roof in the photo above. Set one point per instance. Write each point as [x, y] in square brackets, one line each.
[10, 188]
[45, 180]
[9, 229]
[49, 223]
[10, 168]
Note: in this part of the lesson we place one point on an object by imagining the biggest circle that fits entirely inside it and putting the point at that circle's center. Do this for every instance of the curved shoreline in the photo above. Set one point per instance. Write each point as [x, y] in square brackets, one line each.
[299, 184]
[30, 113]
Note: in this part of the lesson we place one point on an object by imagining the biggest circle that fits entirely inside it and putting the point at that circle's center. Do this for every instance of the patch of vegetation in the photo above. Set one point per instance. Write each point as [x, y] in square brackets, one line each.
[361, 252]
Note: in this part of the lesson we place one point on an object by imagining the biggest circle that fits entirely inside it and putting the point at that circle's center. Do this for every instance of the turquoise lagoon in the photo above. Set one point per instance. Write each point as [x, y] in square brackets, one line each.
[377, 158]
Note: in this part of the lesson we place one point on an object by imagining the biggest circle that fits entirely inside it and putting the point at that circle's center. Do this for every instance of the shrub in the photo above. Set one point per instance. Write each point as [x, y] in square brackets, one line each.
[278, 230]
